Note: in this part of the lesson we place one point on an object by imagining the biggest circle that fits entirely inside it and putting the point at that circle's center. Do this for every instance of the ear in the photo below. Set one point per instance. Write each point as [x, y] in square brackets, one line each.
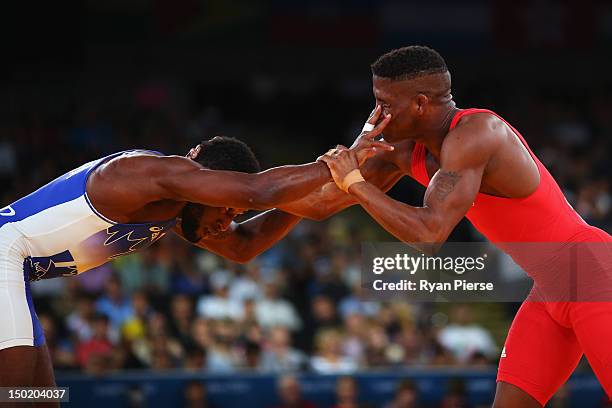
[421, 101]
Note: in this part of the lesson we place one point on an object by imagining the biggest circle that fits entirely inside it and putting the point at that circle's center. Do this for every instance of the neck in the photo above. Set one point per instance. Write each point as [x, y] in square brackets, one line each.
[434, 137]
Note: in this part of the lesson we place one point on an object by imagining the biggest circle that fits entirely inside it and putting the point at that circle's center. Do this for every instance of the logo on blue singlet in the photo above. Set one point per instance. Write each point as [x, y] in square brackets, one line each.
[7, 211]
[46, 267]
[123, 239]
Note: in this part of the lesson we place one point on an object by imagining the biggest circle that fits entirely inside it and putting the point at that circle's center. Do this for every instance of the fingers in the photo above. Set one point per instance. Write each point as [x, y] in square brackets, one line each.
[336, 152]
[379, 145]
[374, 115]
[332, 154]
[367, 154]
[326, 159]
[379, 128]
[340, 153]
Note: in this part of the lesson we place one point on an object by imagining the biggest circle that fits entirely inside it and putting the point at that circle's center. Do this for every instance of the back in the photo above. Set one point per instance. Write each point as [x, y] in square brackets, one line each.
[55, 231]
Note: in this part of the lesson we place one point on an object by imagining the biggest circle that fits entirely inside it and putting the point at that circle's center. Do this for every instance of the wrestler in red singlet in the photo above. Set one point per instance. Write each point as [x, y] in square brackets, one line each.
[546, 339]
[476, 165]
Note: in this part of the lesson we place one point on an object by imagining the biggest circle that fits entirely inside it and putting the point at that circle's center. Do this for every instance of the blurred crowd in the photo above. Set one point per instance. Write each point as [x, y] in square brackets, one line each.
[299, 307]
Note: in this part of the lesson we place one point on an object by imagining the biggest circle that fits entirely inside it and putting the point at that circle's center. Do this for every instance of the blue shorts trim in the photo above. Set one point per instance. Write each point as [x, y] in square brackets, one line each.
[38, 333]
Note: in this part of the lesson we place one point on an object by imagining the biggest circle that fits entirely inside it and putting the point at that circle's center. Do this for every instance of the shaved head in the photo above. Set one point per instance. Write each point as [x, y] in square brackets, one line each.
[409, 62]
[434, 86]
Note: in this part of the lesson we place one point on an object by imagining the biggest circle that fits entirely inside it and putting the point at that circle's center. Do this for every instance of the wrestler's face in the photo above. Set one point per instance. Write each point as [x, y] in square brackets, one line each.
[201, 221]
[215, 220]
[398, 99]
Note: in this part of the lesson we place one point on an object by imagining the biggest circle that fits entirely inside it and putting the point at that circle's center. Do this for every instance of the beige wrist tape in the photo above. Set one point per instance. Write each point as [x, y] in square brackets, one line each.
[350, 179]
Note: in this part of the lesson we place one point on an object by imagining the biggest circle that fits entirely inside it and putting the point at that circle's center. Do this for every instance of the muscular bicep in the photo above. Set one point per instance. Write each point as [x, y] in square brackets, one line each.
[182, 179]
[449, 196]
[216, 188]
[188, 181]
[453, 189]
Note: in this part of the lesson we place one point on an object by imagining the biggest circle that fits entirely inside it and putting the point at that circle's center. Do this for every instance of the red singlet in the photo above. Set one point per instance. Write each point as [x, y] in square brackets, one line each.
[543, 216]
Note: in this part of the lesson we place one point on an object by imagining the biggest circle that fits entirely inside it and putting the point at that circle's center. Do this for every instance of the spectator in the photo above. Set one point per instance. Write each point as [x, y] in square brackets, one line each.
[60, 349]
[330, 280]
[195, 395]
[273, 311]
[356, 304]
[355, 337]
[135, 327]
[347, 393]
[246, 283]
[146, 270]
[249, 316]
[218, 305]
[441, 356]
[464, 338]
[186, 277]
[201, 333]
[151, 350]
[79, 322]
[114, 304]
[376, 346]
[252, 355]
[413, 344]
[406, 396]
[94, 353]
[279, 355]
[328, 359]
[323, 315]
[456, 396]
[195, 358]
[181, 312]
[222, 357]
[161, 360]
[290, 393]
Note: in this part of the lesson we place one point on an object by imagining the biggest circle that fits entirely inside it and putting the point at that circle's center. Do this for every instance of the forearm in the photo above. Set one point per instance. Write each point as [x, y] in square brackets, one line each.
[282, 185]
[407, 223]
[263, 231]
[321, 203]
[448, 198]
[181, 179]
[253, 236]
[329, 199]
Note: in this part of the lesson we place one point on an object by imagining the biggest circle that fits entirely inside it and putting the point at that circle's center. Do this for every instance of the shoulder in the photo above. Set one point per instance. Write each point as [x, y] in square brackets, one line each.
[150, 164]
[474, 140]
